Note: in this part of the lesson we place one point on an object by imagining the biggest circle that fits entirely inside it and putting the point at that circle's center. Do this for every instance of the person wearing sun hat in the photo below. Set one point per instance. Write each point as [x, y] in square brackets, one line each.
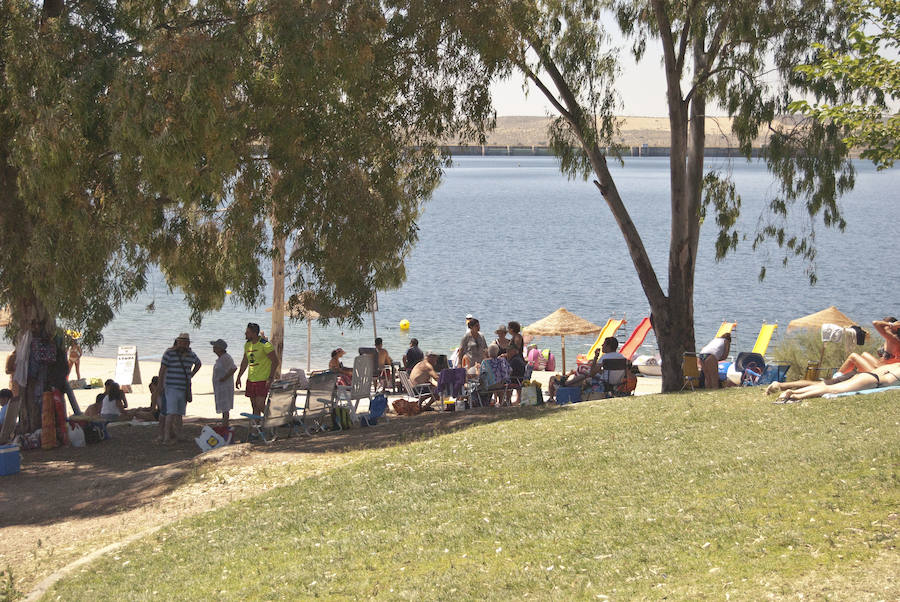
[223, 386]
[501, 341]
[179, 364]
[335, 365]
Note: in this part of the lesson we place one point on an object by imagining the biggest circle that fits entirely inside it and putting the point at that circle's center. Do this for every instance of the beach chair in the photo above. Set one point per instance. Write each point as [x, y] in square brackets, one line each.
[775, 373]
[764, 338]
[691, 370]
[751, 366]
[609, 330]
[411, 394]
[634, 342]
[726, 327]
[280, 411]
[319, 402]
[360, 385]
[612, 384]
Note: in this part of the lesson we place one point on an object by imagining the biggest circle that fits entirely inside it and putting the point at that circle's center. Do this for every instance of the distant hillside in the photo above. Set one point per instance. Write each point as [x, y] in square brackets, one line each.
[635, 131]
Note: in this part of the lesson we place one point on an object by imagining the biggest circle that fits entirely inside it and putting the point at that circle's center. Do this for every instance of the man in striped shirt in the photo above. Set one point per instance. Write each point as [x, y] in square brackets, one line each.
[179, 364]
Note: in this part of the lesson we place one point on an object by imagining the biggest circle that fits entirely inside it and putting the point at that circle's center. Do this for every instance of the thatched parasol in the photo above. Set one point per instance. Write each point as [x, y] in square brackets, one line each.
[559, 324]
[300, 306]
[814, 321]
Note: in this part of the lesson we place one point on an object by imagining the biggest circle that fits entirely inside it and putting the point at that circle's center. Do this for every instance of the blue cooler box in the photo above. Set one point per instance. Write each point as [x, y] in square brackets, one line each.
[10, 460]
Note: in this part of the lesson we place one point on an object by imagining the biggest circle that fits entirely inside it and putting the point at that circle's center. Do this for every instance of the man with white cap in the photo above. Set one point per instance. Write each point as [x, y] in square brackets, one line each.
[179, 364]
[223, 385]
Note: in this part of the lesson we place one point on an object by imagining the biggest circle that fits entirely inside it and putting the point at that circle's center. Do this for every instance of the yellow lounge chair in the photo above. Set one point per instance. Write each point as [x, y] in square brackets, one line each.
[609, 329]
[726, 327]
[764, 338]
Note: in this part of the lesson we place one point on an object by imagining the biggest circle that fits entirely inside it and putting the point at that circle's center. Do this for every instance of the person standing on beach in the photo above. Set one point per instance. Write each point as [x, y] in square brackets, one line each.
[472, 348]
[712, 353]
[223, 386]
[259, 357]
[179, 364]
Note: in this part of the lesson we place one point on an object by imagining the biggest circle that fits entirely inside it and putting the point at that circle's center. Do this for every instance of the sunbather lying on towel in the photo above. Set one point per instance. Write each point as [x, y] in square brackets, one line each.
[882, 376]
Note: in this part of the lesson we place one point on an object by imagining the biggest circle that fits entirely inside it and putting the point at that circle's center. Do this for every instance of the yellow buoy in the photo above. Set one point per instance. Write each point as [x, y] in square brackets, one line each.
[227, 291]
[404, 324]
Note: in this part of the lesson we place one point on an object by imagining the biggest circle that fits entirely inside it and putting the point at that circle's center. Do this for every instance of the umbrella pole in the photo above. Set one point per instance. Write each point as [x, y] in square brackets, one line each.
[564, 353]
[308, 344]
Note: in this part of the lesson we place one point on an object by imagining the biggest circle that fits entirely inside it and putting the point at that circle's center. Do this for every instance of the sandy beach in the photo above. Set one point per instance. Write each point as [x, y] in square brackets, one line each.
[203, 405]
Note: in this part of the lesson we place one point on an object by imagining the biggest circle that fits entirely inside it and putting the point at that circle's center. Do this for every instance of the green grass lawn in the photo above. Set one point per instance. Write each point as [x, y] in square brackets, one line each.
[707, 495]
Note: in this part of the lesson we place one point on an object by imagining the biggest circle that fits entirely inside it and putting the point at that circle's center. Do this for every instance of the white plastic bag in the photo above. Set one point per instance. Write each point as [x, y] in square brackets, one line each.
[210, 439]
[76, 435]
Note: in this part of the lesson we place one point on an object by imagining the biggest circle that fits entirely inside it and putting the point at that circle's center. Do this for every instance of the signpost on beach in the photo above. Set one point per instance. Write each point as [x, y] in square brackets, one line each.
[128, 370]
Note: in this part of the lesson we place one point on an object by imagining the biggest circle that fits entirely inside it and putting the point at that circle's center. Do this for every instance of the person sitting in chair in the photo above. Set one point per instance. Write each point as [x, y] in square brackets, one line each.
[709, 357]
[412, 356]
[601, 375]
[335, 365]
[423, 378]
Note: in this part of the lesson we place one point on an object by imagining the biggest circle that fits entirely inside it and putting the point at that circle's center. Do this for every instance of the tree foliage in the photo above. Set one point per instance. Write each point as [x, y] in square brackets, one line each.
[178, 133]
[736, 55]
[870, 72]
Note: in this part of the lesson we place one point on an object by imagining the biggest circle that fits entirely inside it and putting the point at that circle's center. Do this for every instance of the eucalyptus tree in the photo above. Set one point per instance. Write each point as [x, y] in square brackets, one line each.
[735, 56]
[869, 68]
[141, 133]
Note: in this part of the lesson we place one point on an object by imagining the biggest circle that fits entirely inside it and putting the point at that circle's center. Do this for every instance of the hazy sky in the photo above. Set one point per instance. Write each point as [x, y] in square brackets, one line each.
[642, 88]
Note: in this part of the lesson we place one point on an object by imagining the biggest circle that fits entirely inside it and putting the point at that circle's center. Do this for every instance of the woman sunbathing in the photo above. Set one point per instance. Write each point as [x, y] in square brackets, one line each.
[882, 376]
[889, 328]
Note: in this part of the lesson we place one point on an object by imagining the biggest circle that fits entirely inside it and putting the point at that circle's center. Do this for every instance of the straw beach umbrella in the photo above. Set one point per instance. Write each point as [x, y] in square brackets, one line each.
[559, 324]
[830, 315]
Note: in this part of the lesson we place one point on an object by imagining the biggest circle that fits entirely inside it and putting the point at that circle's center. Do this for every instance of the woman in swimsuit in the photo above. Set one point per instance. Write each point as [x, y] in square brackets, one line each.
[882, 376]
[889, 328]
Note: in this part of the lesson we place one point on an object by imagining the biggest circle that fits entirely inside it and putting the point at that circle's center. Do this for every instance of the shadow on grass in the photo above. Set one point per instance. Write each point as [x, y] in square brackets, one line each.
[131, 469]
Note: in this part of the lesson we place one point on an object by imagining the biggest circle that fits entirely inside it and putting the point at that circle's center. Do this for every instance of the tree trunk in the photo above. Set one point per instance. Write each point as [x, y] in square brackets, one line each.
[30, 313]
[277, 337]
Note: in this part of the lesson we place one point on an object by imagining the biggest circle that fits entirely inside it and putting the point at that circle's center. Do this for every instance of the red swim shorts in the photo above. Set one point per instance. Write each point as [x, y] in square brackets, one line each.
[258, 388]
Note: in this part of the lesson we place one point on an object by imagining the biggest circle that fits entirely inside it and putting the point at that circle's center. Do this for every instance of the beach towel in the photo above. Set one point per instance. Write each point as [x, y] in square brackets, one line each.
[832, 333]
[451, 381]
[863, 392]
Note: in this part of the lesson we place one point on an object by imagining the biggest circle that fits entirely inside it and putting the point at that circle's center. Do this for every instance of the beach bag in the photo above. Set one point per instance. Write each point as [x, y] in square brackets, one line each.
[340, 416]
[93, 433]
[76, 435]
[226, 432]
[404, 407]
[210, 439]
[531, 396]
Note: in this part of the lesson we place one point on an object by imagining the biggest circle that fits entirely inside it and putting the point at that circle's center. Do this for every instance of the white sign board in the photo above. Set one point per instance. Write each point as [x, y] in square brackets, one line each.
[128, 371]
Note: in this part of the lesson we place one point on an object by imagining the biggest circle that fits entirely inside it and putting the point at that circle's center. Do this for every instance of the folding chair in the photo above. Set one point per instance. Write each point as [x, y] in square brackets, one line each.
[616, 374]
[319, 402]
[360, 385]
[774, 373]
[690, 370]
[280, 410]
[411, 392]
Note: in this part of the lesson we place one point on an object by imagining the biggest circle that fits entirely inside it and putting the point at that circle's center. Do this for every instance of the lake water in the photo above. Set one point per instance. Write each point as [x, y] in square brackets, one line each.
[510, 238]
